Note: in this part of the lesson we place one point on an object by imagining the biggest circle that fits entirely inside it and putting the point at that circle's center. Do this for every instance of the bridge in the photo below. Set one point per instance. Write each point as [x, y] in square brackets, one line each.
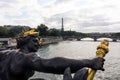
[114, 39]
[95, 36]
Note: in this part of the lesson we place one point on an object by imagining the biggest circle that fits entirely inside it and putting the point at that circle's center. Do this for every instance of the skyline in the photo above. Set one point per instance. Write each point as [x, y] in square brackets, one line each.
[79, 15]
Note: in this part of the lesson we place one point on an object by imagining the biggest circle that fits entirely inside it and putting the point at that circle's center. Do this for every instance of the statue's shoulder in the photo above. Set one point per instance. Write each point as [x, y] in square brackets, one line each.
[7, 52]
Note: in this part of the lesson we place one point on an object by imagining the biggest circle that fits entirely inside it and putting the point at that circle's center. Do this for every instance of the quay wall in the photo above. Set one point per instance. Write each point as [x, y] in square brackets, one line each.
[45, 41]
[51, 40]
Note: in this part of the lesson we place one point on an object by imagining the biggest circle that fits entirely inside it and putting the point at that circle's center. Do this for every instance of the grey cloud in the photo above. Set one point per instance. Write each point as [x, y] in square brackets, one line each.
[61, 1]
[57, 17]
[97, 20]
[97, 23]
[50, 20]
[88, 21]
[8, 1]
[57, 2]
[90, 24]
[5, 5]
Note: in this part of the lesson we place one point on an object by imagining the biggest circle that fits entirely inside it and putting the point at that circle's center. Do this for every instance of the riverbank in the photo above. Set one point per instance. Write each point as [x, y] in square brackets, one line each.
[51, 40]
[11, 43]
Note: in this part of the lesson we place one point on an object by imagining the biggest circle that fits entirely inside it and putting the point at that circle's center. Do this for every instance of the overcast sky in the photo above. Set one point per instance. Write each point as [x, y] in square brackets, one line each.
[79, 15]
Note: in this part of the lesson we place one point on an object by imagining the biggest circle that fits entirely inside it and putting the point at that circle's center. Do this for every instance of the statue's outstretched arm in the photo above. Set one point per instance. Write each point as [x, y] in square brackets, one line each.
[58, 65]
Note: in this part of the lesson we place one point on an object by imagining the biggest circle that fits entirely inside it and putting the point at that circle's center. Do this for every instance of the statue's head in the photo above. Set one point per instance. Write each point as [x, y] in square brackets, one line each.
[28, 41]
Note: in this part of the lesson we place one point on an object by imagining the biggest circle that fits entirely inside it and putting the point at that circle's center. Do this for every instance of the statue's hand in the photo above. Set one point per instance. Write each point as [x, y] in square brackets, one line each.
[97, 64]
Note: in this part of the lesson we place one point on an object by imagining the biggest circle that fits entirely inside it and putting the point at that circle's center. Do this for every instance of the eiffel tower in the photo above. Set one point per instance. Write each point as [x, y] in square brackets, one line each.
[62, 29]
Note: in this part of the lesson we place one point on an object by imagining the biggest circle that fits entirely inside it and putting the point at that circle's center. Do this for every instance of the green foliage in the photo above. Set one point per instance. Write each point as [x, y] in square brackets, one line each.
[43, 29]
[3, 31]
[54, 32]
[116, 34]
[13, 32]
[73, 33]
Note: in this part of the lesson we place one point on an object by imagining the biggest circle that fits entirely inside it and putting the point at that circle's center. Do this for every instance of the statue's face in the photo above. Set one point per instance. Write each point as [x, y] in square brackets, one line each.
[33, 44]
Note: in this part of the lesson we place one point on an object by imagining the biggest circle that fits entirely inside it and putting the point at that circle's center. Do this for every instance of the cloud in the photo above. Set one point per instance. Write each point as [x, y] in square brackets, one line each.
[61, 1]
[79, 15]
[8, 1]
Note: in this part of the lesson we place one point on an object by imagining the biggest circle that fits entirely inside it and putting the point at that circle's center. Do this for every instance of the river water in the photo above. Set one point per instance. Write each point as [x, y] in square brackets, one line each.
[83, 50]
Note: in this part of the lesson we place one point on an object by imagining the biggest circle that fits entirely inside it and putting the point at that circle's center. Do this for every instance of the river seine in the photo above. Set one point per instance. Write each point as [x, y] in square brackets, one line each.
[83, 50]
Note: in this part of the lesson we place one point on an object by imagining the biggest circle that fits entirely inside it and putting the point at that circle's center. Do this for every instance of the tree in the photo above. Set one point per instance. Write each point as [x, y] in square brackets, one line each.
[13, 32]
[43, 30]
[3, 31]
[54, 32]
[69, 33]
[116, 34]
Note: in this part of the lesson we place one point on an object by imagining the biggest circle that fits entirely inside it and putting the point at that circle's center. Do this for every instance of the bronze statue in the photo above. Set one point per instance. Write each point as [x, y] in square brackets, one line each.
[21, 64]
